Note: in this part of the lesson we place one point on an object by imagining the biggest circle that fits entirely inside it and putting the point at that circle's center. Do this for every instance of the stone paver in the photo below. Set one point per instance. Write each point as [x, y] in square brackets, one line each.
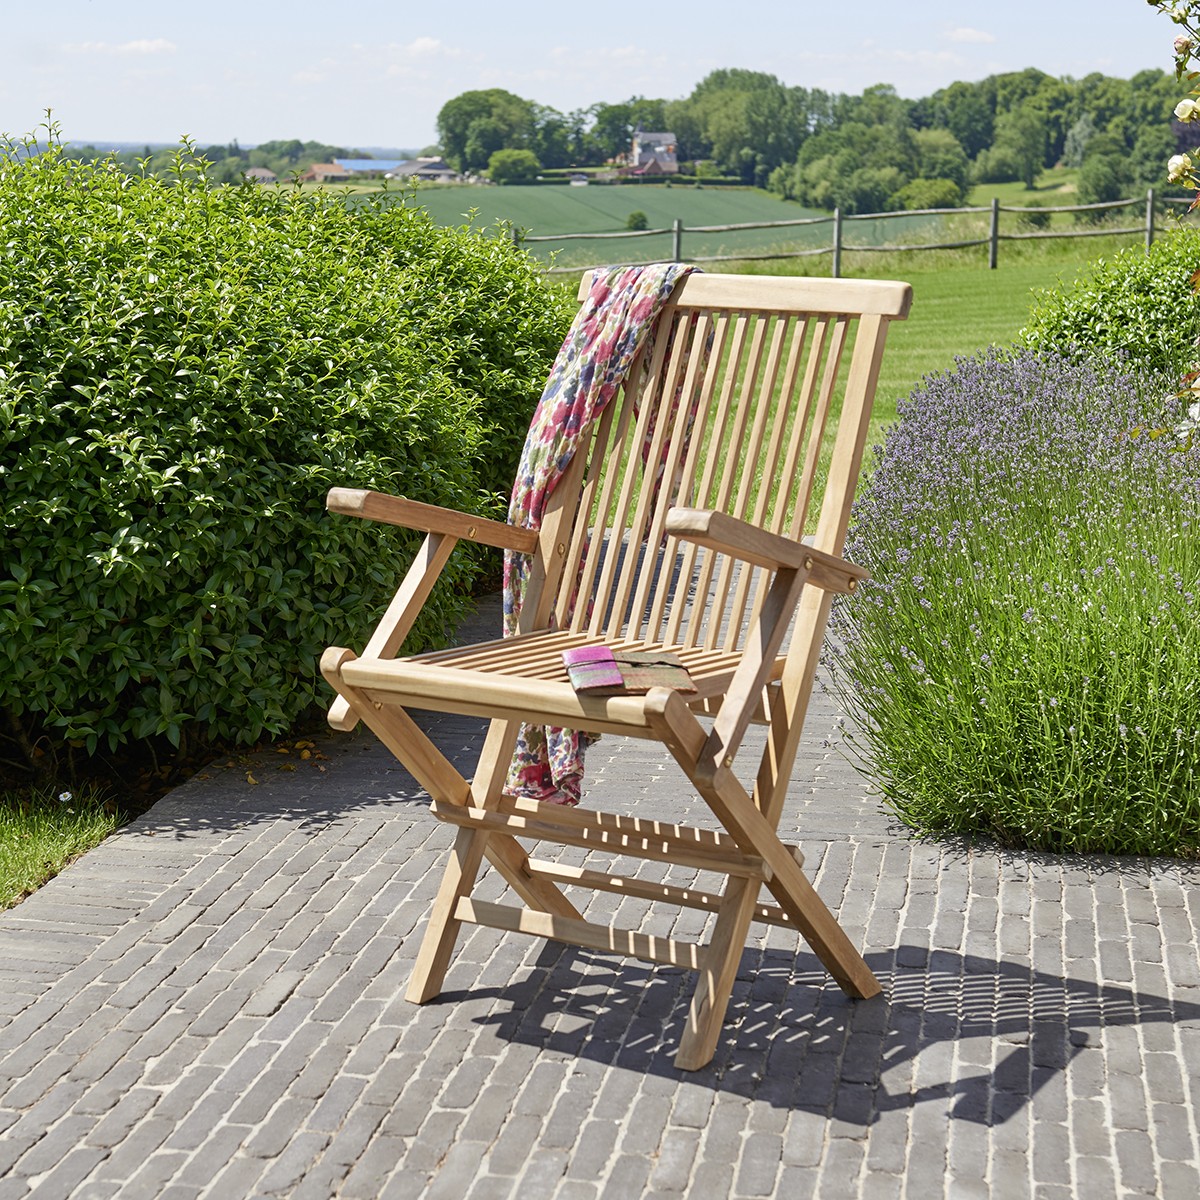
[209, 1005]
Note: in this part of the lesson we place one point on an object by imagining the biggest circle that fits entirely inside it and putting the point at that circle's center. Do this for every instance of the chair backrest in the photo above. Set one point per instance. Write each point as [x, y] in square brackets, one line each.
[754, 399]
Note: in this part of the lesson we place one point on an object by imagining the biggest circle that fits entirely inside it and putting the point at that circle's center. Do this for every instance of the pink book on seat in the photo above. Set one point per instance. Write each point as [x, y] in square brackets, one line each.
[594, 670]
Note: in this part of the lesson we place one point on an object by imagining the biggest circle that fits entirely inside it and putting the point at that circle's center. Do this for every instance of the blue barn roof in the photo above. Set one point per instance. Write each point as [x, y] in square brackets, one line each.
[369, 164]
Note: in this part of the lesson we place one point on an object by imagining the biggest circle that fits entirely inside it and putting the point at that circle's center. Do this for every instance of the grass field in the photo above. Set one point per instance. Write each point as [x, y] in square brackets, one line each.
[549, 211]
[957, 312]
[959, 306]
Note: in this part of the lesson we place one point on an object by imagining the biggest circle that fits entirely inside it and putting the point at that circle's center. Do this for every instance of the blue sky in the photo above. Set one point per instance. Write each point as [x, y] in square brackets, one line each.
[375, 73]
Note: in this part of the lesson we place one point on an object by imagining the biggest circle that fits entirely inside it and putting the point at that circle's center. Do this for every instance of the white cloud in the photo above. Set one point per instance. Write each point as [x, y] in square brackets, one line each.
[965, 34]
[422, 47]
[140, 46]
[427, 47]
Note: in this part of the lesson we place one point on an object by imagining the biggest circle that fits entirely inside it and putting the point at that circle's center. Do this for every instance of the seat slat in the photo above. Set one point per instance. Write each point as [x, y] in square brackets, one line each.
[547, 825]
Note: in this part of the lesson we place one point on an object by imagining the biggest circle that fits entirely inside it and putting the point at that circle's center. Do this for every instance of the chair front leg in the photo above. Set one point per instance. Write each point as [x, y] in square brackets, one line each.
[731, 803]
[718, 971]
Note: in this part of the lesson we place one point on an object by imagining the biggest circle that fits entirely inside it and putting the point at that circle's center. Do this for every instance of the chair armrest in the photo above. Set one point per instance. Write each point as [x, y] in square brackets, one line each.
[429, 518]
[749, 543]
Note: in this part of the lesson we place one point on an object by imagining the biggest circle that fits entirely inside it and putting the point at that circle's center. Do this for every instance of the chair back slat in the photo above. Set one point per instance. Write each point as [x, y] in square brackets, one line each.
[650, 465]
[733, 409]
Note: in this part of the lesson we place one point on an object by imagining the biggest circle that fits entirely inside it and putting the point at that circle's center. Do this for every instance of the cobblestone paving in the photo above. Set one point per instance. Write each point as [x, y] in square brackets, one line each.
[209, 1005]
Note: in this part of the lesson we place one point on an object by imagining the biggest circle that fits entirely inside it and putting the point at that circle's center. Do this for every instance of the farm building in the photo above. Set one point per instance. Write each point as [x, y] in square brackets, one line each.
[653, 153]
[326, 173]
[431, 170]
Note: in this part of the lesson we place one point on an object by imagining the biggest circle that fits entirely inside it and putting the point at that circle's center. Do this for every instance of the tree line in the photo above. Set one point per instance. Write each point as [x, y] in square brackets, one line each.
[228, 162]
[863, 153]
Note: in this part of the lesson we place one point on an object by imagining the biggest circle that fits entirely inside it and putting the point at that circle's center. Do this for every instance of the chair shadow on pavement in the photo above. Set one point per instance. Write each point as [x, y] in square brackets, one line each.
[980, 1036]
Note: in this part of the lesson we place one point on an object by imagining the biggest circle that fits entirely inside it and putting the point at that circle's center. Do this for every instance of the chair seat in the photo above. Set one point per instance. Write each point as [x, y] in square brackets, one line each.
[524, 676]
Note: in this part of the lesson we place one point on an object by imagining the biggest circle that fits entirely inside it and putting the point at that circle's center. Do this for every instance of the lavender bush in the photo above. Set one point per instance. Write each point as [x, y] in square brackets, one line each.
[1026, 662]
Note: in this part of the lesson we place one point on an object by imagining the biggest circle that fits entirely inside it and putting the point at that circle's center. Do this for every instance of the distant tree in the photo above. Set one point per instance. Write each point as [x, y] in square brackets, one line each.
[941, 156]
[550, 137]
[1154, 145]
[748, 121]
[485, 136]
[879, 104]
[474, 125]
[1103, 177]
[1015, 89]
[929, 193]
[637, 220]
[1104, 145]
[996, 164]
[963, 109]
[513, 166]
[612, 125]
[1152, 96]
[1108, 100]
[833, 168]
[1021, 132]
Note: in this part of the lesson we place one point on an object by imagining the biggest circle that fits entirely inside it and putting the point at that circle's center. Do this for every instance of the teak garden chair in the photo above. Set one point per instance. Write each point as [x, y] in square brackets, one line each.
[679, 525]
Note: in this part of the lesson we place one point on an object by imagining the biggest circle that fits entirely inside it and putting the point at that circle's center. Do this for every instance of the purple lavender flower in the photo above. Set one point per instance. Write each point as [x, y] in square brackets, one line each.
[1081, 583]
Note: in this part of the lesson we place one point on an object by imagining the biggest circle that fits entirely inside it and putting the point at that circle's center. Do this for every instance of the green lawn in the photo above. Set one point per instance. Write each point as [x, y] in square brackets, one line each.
[41, 832]
[959, 306]
[956, 312]
[604, 208]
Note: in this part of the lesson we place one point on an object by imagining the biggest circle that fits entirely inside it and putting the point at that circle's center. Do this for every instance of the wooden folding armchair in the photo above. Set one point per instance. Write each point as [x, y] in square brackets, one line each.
[680, 524]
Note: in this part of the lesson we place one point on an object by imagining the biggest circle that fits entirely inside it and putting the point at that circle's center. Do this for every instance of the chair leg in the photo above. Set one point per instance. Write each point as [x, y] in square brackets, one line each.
[397, 730]
[433, 771]
[683, 735]
[437, 943]
[718, 970]
[505, 853]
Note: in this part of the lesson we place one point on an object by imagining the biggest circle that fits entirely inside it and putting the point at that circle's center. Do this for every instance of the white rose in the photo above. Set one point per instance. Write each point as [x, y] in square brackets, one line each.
[1177, 166]
[1187, 110]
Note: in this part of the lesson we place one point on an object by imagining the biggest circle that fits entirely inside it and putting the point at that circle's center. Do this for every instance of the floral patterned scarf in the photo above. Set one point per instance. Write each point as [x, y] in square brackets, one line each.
[610, 328]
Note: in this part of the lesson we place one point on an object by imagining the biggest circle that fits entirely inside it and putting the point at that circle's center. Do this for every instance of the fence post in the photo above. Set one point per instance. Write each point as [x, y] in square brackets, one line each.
[677, 241]
[994, 235]
[1149, 219]
[837, 243]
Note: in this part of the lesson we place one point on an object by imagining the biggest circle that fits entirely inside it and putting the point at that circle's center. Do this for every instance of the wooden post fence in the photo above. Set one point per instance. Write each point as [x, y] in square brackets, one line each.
[1145, 229]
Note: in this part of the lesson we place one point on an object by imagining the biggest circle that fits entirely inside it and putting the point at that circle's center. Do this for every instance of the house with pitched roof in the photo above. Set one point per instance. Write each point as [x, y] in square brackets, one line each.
[653, 153]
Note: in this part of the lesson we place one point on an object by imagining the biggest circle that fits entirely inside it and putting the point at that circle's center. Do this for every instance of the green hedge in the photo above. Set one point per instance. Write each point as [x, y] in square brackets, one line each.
[184, 372]
[1135, 306]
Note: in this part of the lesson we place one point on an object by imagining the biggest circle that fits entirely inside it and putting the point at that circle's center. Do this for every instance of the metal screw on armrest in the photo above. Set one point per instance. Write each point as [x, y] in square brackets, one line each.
[562, 549]
[853, 584]
[808, 564]
[470, 531]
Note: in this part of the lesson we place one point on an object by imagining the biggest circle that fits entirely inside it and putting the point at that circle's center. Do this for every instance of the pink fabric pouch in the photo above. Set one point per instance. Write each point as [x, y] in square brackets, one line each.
[593, 669]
